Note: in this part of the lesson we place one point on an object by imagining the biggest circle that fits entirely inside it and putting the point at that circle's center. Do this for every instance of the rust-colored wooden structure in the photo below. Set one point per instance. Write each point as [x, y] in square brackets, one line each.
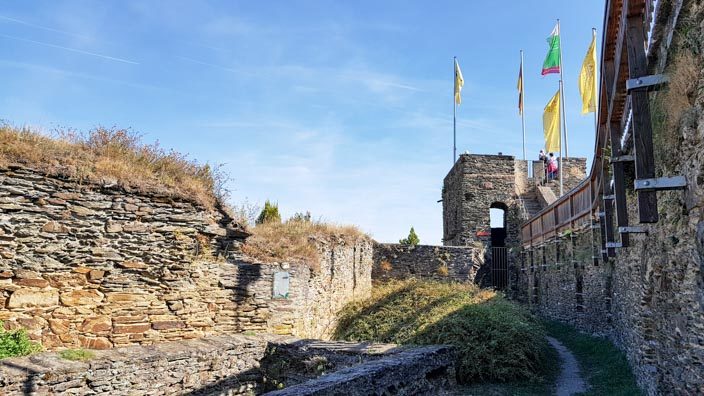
[623, 106]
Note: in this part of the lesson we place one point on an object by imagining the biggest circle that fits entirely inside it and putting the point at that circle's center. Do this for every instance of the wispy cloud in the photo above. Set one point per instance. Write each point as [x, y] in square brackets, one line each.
[221, 67]
[68, 73]
[76, 50]
[47, 28]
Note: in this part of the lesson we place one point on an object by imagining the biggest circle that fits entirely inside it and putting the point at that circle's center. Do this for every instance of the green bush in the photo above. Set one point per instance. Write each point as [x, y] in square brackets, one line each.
[270, 213]
[412, 238]
[497, 340]
[16, 343]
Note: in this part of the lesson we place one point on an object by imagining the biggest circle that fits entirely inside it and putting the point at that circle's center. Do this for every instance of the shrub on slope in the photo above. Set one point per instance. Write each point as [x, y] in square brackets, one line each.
[497, 340]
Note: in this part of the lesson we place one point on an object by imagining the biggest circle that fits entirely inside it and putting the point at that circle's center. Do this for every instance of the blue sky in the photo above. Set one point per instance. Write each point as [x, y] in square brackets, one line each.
[340, 108]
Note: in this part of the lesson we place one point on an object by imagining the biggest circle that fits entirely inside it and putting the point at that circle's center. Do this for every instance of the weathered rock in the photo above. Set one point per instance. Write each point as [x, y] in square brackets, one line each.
[22, 298]
[82, 297]
[97, 325]
[55, 227]
[131, 328]
[39, 282]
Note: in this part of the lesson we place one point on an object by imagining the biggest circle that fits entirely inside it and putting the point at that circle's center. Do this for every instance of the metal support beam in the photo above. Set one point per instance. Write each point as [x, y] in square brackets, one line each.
[661, 183]
[622, 158]
[646, 82]
[633, 230]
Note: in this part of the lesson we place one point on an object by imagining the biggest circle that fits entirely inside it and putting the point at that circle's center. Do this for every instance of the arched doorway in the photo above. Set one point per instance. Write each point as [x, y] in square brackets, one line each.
[499, 252]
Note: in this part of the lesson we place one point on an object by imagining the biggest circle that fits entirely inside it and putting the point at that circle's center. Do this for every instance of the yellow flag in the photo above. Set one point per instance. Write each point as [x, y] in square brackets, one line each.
[551, 124]
[459, 83]
[587, 80]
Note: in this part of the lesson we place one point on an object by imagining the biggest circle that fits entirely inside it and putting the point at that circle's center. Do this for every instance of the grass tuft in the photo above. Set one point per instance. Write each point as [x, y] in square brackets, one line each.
[80, 355]
[113, 156]
[497, 340]
[293, 241]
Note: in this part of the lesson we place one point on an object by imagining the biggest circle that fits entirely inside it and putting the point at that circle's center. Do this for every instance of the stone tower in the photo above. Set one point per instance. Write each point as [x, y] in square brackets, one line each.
[474, 185]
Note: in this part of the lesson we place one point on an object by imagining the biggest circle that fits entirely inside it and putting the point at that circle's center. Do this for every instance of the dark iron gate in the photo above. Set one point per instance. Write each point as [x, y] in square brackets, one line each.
[499, 268]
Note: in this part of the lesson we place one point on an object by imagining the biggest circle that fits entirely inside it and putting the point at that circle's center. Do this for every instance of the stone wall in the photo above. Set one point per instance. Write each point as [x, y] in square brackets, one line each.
[474, 183]
[649, 297]
[97, 267]
[235, 365]
[396, 261]
[423, 371]
[315, 297]
[574, 171]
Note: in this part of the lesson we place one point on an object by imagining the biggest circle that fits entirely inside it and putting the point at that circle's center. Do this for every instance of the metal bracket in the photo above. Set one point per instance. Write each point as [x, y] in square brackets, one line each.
[609, 196]
[611, 245]
[632, 230]
[623, 158]
[646, 82]
[660, 183]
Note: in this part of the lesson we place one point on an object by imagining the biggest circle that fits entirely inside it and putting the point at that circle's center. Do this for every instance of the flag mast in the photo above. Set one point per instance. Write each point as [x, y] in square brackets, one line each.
[562, 103]
[454, 111]
[523, 110]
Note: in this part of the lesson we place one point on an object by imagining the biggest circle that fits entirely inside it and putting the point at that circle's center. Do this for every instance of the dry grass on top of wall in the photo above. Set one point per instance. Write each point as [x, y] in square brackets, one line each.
[112, 157]
[294, 241]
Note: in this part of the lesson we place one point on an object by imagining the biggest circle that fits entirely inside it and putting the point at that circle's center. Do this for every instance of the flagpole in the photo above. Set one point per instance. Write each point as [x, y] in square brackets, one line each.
[562, 115]
[523, 109]
[454, 112]
[562, 96]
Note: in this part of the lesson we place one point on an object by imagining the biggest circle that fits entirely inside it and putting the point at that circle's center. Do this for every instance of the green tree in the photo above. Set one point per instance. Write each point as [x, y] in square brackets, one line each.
[412, 238]
[270, 213]
[300, 216]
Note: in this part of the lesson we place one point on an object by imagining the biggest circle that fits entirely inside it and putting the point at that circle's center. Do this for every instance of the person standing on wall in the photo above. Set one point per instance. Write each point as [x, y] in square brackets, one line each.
[552, 167]
[544, 159]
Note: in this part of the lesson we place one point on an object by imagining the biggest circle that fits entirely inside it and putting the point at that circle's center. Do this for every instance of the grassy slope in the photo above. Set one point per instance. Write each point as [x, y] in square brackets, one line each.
[497, 340]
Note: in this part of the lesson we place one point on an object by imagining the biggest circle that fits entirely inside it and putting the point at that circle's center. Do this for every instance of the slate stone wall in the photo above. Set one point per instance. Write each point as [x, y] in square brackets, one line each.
[649, 298]
[315, 297]
[236, 365]
[97, 267]
[474, 183]
[396, 261]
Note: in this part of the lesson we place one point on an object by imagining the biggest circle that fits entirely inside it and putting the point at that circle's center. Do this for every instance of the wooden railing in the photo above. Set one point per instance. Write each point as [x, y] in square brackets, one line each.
[573, 210]
[602, 195]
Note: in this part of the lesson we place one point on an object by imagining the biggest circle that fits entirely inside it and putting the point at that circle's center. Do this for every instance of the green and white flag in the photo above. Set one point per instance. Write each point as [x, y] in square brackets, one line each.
[552, 60]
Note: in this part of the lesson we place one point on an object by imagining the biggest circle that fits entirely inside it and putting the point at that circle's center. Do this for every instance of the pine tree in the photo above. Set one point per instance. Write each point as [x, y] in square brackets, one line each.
[270, 213]
[411, 240]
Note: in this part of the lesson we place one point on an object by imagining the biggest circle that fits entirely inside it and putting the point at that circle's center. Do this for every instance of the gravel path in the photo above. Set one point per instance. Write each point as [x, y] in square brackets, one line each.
[570, 381]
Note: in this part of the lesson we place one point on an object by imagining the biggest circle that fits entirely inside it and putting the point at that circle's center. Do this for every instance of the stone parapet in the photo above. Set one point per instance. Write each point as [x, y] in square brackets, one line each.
[396, 261]
[235, 365]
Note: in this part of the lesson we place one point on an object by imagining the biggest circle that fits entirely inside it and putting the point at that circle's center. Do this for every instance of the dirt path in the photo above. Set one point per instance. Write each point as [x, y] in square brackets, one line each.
[570, 381]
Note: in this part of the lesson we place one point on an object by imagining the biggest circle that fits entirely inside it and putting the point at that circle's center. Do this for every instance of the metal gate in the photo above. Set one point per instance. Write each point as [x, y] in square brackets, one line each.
[499, 268]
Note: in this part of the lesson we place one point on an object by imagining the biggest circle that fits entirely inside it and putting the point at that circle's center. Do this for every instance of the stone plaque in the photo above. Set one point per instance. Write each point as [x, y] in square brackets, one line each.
[281, 284]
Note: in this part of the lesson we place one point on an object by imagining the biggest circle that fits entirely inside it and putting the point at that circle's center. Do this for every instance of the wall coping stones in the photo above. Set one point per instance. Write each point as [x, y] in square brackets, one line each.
[415, 371]
[227, 364]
